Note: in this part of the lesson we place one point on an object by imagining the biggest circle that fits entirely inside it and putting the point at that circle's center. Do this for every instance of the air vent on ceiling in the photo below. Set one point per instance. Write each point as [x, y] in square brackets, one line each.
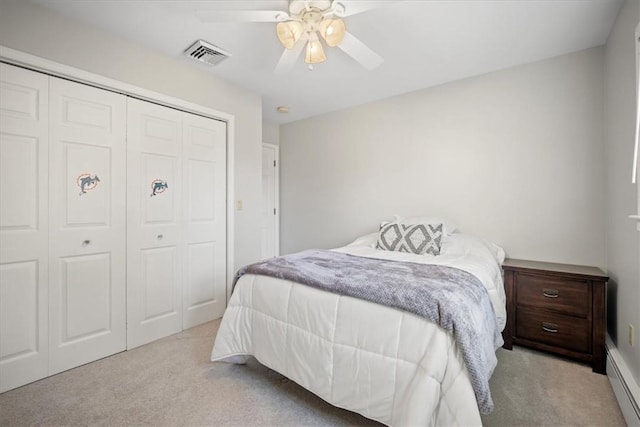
[206, 52]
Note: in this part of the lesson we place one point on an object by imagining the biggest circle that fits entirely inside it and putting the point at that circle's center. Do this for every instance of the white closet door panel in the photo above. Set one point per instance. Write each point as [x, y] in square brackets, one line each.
[24, 130]
[19, 303]
[19, 181]
[154, 215]
[86, 297]
[158, 278]
[23, 324]
[87, 230]
[205, 219]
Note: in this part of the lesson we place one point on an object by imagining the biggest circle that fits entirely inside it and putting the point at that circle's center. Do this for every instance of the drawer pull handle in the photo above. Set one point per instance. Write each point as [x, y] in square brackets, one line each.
[550, 327]
[160, 236]
[86, 242]
[550, 293]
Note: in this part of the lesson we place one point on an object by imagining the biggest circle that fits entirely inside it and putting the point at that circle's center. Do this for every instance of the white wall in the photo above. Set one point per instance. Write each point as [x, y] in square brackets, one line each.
[622, 239]
[38, 31]
[270, 133]
[514, 156]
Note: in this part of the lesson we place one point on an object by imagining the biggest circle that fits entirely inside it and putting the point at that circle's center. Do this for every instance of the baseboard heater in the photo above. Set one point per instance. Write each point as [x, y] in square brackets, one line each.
[623, 384]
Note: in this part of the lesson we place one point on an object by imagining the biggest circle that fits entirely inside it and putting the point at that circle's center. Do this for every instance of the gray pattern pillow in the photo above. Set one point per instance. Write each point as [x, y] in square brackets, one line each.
[415, 238]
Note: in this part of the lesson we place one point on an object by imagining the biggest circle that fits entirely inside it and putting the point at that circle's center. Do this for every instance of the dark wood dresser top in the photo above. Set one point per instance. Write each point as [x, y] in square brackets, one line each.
[540, 266]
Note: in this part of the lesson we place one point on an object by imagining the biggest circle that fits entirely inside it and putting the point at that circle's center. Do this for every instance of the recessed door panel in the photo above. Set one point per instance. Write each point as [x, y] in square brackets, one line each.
[78, 113]
[19, 327]
[87, 206]
[159, 272]
[86, 297]
[206, 136]
[19, 182]
[202, 190]
[158, 188]
[24, 187]
[161, 128]
[201, 274]
[18, 99]
[87, 181]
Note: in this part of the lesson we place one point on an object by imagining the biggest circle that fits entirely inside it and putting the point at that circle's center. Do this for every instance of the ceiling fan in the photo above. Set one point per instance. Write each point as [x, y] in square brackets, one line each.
[303, 26]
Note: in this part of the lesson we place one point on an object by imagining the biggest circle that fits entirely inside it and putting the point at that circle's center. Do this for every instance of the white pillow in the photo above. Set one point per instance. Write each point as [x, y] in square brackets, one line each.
[463, 244]
[368, 240]
[447, 227]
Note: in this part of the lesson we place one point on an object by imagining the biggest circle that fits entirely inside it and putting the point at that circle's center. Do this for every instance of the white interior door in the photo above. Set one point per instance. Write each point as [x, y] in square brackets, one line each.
[87, 224]
[204, 161]
[154, 217]
[24, 133]
[270, 214]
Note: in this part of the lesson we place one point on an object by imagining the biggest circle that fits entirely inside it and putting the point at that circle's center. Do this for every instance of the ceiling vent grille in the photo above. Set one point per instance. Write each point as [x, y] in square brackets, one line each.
[206, 52]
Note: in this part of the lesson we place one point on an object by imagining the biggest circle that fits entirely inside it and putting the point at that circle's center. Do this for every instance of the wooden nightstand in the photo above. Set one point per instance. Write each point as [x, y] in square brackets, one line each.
[557, 308]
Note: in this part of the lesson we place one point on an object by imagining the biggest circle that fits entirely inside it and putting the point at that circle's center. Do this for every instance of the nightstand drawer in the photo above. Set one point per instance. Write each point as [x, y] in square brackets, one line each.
[557, 294]
[554, 329]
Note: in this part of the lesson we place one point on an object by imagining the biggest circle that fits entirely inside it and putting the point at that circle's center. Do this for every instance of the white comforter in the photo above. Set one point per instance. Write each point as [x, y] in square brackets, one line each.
[386, 364]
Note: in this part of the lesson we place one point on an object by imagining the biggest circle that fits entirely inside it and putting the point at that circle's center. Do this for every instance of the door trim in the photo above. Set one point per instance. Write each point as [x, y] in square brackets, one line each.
[56, 69]
[276, 195]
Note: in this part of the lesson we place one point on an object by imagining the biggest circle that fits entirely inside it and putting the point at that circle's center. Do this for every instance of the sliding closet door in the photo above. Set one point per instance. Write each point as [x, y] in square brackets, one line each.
[154, 245]
[87, 224]
[24, 130]
[204, 161]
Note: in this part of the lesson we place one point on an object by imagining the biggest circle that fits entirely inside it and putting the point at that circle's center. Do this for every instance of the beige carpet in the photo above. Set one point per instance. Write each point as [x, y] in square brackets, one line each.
[171, 382]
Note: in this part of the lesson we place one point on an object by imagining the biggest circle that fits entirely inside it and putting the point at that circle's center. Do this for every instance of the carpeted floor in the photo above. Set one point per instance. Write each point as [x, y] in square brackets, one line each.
[171, 382]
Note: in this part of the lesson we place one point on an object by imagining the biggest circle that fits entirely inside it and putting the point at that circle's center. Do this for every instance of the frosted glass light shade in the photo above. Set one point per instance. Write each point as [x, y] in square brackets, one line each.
[332, 31]
[289, 33]
[315, 53]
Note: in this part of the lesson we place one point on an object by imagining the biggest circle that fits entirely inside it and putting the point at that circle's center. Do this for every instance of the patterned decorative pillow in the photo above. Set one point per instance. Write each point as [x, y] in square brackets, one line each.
[415, 238]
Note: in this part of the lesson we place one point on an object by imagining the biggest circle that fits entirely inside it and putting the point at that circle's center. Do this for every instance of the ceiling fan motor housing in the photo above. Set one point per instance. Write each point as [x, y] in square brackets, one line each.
[298, 6]
[311, 20]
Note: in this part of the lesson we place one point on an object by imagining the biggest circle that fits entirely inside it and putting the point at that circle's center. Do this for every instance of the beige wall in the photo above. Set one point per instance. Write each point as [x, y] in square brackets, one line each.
[514, 156]
[623, 253]
[38, 31]
[270, 133]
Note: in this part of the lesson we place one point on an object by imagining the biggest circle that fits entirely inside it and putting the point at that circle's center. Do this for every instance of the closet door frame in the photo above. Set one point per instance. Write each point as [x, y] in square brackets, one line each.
[25, 60]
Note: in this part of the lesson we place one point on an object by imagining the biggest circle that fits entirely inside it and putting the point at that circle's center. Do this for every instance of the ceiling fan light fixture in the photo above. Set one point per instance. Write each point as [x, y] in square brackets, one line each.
[332, 31]
[315, 53]
[289, 33]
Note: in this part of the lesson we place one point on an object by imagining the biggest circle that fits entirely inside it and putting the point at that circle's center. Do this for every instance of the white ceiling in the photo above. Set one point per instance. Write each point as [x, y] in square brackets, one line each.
[423, 43]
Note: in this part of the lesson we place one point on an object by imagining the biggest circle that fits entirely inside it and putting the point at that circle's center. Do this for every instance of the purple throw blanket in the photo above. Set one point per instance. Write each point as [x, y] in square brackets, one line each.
[452, 298]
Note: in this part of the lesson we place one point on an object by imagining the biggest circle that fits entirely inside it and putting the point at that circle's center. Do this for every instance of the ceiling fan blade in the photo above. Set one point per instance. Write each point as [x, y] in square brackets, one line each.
[242, 15]
[359, 51]
[290, 57]
[351, 7]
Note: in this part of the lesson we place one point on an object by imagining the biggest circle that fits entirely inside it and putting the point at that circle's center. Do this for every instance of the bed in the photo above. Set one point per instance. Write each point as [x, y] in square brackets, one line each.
[385, 363]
